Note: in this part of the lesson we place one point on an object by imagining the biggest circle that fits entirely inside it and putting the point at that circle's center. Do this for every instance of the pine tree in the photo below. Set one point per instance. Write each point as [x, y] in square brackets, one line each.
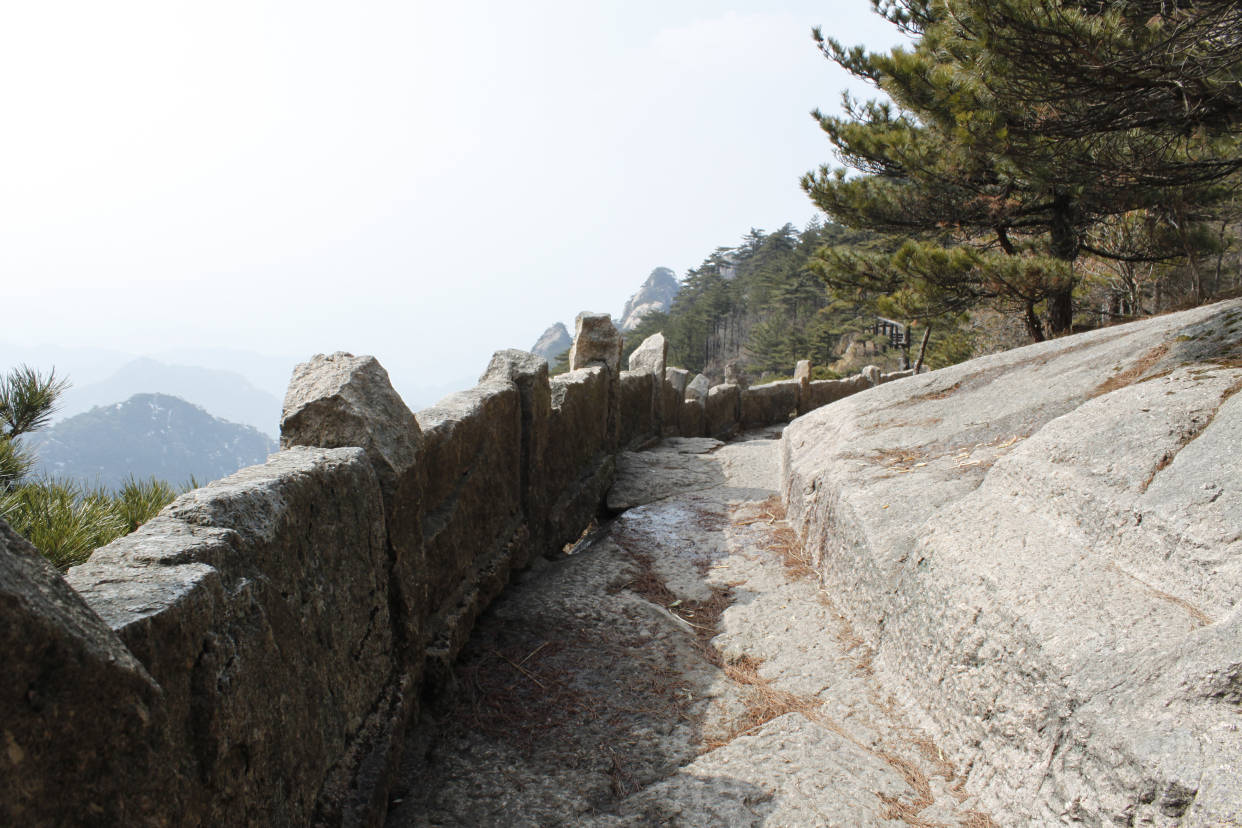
[997, 205]
[28, 400]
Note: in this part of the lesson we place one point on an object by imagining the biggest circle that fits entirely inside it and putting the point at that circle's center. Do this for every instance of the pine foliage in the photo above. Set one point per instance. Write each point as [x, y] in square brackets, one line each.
[64, 519]
[764, 304]
[1018, 135]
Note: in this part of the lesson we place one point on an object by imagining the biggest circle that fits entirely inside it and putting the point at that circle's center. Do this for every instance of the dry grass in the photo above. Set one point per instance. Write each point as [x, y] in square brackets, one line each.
[703, 616]
[763, 702]
[851, 642]
[926, 422]
[780, 539]
[1189, 435]
[934, 756]
[1132, 374]
[908, 812]
[903, 457]
[1201, 618]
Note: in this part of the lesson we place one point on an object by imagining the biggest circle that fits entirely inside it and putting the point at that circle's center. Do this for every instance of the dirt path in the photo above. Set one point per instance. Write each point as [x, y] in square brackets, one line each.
[681, 667]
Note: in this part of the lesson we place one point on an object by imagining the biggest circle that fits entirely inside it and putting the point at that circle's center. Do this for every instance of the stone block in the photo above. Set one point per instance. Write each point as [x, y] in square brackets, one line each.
[260, 604]
[693, 418]
[723, 411]
[580, 464]
[698, 388]
[83, 722]
[802, 376]
[342, 400]
[671, 401]
[679, 378]
[650, 356]
[596, 339]
[472, 503]
[896, 375]
[530, 374]
[824, 392]
[734, 375]
[769, 404]
[638, 421]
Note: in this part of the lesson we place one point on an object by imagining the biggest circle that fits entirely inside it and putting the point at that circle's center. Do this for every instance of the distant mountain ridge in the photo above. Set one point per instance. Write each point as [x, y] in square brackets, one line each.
[655, 295]
[147, 435]
[227, 395]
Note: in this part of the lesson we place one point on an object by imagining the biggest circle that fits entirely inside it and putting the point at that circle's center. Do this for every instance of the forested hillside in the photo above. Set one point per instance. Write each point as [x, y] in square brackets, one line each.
[1026, 170]
[765, 304]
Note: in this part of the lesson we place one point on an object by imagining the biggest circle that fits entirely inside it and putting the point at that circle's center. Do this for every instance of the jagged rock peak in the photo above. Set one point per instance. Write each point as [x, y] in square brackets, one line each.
[656, 294]
[554, 342]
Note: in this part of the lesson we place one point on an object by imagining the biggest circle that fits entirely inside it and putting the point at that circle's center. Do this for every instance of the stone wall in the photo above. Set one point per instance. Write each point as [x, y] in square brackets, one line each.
[254, 654]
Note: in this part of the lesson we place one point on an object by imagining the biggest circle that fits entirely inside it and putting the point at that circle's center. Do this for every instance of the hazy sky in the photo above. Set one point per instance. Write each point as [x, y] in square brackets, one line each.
[427, 182]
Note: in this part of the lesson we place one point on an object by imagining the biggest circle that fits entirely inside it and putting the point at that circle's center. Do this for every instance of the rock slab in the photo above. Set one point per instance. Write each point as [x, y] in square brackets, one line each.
[1054, 534]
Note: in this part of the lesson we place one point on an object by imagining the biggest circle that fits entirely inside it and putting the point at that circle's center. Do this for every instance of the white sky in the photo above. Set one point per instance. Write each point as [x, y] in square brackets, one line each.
[424, 182]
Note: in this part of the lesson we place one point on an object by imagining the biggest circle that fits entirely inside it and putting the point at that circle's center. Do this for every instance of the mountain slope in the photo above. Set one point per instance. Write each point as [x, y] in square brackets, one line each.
[230, 395]
[656, 294]
[554, 342]
[148, 434]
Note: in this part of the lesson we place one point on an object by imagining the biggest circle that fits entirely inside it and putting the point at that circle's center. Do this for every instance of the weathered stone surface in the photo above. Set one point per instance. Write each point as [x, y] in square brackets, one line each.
[674, 671]
[553, 342]
[802, 376]
[674, 466]
[734, 375]
[694, 418]
[679, 378]
[896, 375]
[342, 400]
[871, 373]
[722, 412]
[77, 710]
[638, 422]
[769, 404]
[671, 401]
[698, 388]
[596, 340]
[1054, 535]
[530, 374]
[472, 505]
[581, 467]
[824, 392]
[259, 603]
[579, 399]
[650, 356]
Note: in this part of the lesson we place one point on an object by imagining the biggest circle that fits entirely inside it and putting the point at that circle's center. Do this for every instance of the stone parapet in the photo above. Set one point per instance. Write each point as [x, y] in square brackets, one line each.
[254, 654]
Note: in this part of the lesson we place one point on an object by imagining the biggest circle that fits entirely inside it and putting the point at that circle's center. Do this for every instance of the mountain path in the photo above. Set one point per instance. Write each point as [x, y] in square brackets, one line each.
[682, 666]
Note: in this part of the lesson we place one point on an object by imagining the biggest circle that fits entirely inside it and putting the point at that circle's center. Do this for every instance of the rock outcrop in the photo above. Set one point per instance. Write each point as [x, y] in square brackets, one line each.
[655, 295]
[1043, 548]
[554, 342]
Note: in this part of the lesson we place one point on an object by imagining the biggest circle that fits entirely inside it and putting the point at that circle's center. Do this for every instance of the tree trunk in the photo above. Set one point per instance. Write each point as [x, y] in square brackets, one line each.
[1061, 311]
[1064, 244]
[1034, 328]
